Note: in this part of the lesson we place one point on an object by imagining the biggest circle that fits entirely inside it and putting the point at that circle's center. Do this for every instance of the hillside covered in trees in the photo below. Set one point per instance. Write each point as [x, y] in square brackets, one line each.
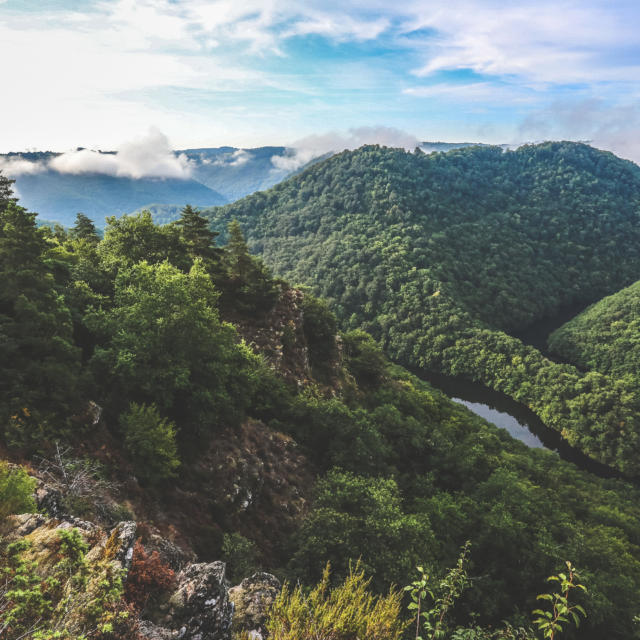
[218, 405]
[444, 257]
[605, 337]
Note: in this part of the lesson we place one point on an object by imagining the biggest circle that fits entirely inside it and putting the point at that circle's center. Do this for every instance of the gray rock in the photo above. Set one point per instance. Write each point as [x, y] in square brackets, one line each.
[252, 599]
[152, 631]
[176, 557]
[49, 500]
[125, 533]
[199, 609]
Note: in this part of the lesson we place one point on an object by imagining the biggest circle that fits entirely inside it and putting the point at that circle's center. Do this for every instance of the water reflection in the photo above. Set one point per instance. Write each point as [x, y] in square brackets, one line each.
[518, 420]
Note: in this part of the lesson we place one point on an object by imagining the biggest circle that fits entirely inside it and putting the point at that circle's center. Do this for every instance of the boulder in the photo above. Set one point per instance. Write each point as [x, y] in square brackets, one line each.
[198, 609]
[252, 599]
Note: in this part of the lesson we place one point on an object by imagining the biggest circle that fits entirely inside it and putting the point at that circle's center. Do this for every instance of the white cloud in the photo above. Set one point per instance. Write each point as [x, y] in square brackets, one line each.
[148, 156]
[613, 128]
[15, 166]
[306, 149]
[474, 92]
[235, 159]
[547, 41]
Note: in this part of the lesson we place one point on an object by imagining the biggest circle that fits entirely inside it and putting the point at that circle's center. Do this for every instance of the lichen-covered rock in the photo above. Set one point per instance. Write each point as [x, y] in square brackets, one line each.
[49, 500]
[252, 599]
[170, 553]
[152, 631]
[199, 608]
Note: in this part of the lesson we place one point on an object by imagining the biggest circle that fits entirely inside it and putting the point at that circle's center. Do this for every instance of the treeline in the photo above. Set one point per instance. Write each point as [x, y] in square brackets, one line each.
[439, 257]
[133, 322]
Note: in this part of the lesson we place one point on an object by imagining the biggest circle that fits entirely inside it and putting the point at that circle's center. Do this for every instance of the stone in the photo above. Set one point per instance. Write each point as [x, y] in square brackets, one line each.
[252, 599]
[199, 608]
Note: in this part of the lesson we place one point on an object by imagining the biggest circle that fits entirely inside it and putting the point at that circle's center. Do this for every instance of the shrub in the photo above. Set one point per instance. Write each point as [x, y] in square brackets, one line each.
[147, 578]
[16, 491]
[348, 612]
[241, 556]
[151, 441]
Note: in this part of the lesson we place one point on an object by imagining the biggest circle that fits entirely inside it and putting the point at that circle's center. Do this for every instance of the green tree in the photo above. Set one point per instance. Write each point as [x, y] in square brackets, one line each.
[151, 441]
[358, 517]
[6, 192]
[248, 285]
[84, 229]
[198, 237]
[162, 342]
[16, 491]
[38, 360]
[133, 238]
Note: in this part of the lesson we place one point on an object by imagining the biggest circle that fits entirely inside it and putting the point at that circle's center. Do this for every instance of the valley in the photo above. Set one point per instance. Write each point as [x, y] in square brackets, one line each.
[228, 414]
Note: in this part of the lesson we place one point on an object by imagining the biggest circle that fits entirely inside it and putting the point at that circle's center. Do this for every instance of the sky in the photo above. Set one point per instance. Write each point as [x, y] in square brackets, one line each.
[246, 73]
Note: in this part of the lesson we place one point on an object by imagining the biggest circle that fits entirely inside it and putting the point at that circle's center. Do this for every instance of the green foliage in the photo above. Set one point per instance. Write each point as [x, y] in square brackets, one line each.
[604, 337]
[241, 556]
[151, 441]
[560, 611]
[84, 229]
[16, 491]
[198, 238]
[320, 329]
[356, 517]
[38, 360]
[248, 286]
[429, 475]
[162, 343]
[364, 358]
[346, 612]
[134, 238]
[66, 600]
[433, 621]
[437, 255]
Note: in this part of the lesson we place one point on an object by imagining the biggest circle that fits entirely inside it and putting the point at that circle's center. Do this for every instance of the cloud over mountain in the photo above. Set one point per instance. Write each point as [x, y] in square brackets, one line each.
[148, 156]
[310, 147]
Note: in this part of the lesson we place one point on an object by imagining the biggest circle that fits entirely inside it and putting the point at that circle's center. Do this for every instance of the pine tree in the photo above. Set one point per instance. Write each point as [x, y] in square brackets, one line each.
[38, 361]
[6, 192]
[84, 229]
[249, 286]
[197, 235]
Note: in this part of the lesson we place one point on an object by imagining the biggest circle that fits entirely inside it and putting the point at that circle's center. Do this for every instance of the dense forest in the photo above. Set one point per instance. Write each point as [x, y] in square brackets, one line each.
[154, 358]
[443, 257]
[605, 337]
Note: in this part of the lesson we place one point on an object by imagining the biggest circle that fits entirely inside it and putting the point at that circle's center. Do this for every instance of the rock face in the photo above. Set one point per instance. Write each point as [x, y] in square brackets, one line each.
[252, 599]
[198, 609]
[278, 335]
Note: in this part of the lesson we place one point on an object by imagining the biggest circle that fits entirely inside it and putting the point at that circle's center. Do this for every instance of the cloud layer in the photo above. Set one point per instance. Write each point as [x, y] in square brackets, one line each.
[310, 147]
[148, 156]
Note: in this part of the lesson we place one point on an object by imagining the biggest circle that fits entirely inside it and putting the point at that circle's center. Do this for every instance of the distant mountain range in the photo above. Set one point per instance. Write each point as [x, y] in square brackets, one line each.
[217, 176]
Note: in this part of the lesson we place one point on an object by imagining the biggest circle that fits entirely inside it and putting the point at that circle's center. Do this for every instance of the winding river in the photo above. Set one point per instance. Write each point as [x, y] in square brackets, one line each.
[518, 420]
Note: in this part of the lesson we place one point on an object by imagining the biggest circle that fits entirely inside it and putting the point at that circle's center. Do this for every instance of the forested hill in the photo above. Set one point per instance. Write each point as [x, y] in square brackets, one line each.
[437, 255]
[604, 337]
[149, 375]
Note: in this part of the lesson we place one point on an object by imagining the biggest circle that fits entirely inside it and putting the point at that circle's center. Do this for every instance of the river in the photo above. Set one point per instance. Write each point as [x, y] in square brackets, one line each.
[518, 420]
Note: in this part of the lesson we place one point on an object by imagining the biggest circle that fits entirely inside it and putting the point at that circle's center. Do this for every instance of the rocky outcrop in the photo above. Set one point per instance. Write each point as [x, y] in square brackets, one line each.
[278, 335]
[198, 609]
[251, 600]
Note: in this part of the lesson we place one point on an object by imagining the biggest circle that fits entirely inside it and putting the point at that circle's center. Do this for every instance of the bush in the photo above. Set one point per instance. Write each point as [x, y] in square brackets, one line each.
[16, 491]
[151, 441]
[148, 577]
[364, 358]
[241, 556]
[320, 328]
[347, 612]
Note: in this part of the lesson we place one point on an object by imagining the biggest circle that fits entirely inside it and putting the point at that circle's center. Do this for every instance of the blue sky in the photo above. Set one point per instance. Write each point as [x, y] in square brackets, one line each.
[248, 73]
